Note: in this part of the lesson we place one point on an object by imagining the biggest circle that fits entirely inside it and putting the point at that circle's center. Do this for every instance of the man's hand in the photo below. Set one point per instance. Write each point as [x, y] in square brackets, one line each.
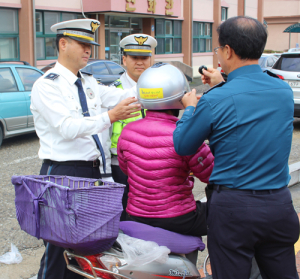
[211, 77]
[190, 99]
[125, 109]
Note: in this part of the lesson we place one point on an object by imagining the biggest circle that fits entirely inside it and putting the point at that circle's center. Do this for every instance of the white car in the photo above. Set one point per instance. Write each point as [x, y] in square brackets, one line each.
[287, 68]
[266, 61]
[294, 50]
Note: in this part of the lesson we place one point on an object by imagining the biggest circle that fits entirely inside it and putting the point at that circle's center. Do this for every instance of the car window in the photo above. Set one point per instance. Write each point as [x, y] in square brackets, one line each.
[274, 59]
[270, 62]
[87, 69]
[7, 82]
[115, 68]
[290, 63]
[28, 77]
[262, 62]
[99, 69]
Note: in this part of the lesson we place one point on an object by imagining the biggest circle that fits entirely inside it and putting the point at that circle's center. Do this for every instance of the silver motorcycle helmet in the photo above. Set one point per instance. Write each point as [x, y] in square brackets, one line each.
[162, 87]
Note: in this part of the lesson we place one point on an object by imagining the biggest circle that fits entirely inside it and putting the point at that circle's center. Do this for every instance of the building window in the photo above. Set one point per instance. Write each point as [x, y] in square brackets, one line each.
[45, 38]
[168, 36]
[9, 34]
[202, 37]
[132, 25]
[224, 13]
[117, 28]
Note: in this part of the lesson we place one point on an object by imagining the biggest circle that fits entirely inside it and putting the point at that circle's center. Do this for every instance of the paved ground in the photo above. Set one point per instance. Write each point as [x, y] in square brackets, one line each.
[19, 156]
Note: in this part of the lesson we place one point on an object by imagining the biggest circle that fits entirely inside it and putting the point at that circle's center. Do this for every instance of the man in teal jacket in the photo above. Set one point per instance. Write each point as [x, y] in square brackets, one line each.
[249, 123]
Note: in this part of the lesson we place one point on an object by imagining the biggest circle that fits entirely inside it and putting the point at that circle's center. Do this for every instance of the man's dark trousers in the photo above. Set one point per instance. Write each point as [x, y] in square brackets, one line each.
[243, 224]
[53, 265]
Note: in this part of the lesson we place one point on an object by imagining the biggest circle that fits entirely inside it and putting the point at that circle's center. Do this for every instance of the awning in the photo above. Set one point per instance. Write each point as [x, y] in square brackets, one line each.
[295, 28]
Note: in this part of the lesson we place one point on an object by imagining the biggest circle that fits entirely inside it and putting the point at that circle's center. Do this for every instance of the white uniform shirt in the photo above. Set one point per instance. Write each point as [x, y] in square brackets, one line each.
[127, 81]
[64, 133]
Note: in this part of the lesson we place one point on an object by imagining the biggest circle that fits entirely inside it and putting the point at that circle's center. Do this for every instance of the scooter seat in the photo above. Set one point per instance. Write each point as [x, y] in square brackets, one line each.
[177, 243]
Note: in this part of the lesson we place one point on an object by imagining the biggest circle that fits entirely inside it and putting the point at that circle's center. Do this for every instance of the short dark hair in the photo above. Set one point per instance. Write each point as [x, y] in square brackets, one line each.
[175, 112]
[58, 37]
[245, 35]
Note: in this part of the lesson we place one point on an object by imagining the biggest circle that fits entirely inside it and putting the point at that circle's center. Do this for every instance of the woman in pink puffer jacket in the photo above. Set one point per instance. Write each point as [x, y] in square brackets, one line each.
[160, 188]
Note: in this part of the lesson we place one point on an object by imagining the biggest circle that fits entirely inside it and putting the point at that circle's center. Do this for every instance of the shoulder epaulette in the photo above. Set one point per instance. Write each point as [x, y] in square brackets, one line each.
[52, 76]
[271, 74]
[115, 83]
[86, 73]
[218, 85]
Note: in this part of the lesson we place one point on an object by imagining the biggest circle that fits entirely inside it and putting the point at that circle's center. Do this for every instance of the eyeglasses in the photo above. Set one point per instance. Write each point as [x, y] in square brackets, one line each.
[216, 49]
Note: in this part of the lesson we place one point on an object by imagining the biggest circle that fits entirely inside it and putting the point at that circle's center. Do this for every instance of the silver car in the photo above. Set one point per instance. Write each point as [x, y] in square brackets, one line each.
[287, 68]
[267, 61]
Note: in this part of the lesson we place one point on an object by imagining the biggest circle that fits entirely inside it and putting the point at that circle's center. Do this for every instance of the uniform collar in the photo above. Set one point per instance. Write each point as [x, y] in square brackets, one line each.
[251, 69]
[130, 80]
[67, 74]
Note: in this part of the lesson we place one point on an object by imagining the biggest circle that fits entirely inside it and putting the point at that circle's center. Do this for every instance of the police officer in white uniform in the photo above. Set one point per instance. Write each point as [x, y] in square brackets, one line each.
[66, 106]
[137, 52]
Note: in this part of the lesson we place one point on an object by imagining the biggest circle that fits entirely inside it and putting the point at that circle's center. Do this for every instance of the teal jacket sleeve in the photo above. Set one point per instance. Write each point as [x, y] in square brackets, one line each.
[193, 128]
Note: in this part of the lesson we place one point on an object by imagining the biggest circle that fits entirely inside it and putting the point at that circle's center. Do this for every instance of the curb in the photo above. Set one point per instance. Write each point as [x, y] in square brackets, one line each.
[294, 173]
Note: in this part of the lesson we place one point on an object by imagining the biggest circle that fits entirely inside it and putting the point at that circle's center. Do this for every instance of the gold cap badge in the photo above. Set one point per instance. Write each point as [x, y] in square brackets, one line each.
[94, 26]
[141, 40]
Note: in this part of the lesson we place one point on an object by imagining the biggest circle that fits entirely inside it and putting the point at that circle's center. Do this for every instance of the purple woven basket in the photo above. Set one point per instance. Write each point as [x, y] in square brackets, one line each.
[70, 212]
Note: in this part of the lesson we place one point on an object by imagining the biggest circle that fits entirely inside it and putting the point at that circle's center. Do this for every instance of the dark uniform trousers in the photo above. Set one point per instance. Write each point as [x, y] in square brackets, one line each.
[53, 265]
[120, 177]
[243, 224]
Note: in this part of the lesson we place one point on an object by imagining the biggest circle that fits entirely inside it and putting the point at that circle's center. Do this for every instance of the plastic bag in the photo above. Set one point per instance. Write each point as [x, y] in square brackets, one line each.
[139, 252]
[12, 257]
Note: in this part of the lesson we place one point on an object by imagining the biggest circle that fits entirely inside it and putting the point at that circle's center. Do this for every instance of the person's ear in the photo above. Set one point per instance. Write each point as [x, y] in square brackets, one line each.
[124, 60]
[63, 42]
[229, 52]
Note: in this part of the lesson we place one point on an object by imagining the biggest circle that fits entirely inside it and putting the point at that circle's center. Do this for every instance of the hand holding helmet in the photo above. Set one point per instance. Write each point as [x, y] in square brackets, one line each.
[190, 99]
[125, 109]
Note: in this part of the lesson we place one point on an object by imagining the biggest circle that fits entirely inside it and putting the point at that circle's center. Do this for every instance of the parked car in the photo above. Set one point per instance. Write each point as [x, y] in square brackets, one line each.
[266, 61]
[104, 71]
[287, 68]
[295, 49]
[277, 54]
[16, 81]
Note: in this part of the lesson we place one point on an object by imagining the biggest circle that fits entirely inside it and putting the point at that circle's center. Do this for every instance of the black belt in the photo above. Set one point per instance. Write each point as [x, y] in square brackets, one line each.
[93, 164]
[221, 188]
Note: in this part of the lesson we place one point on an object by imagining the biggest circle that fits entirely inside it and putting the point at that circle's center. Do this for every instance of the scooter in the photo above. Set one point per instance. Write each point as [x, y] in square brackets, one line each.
[111, 265]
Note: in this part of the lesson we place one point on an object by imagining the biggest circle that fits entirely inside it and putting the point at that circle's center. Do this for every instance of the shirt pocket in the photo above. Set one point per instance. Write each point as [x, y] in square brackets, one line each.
[94, 106]
[74, 108]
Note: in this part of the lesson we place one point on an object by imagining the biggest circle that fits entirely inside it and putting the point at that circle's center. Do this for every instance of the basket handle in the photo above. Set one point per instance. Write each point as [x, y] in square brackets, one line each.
[36, 209]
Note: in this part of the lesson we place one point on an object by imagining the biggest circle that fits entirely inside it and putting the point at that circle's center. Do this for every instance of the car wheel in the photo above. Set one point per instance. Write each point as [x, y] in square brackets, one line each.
[1, 135]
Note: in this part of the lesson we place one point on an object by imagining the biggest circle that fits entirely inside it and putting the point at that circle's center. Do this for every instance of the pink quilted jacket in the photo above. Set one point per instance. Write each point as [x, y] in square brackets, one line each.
[159, 182]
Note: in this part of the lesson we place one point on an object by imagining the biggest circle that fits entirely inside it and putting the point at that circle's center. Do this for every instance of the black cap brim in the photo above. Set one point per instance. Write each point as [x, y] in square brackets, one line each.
[132, 53]
[84, 41]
